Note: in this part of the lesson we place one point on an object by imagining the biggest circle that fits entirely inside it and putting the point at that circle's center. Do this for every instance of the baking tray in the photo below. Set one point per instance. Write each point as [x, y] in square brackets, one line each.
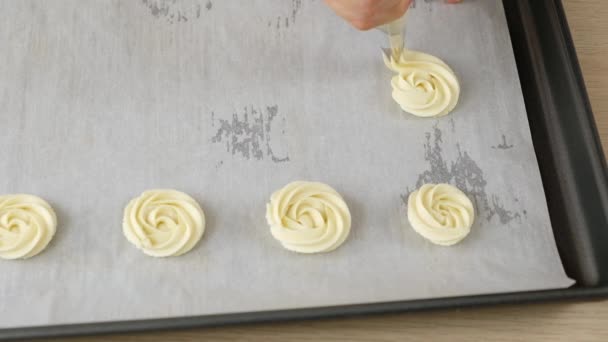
[572, 166]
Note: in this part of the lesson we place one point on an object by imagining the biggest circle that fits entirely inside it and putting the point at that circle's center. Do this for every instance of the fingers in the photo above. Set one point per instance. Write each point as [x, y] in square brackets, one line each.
[392, 12]
[367, 14]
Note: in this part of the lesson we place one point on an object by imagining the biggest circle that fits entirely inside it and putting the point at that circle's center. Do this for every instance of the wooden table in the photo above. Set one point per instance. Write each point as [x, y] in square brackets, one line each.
[576, 321]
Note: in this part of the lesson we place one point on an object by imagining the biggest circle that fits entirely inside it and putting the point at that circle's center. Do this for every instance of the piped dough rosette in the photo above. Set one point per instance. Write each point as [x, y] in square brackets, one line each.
[308, 217]
[440, 213]
[163, 222]
[424, 85]
[27, 225]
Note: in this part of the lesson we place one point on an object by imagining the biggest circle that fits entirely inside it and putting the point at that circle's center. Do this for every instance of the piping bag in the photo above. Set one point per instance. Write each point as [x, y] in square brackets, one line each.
[395, 31]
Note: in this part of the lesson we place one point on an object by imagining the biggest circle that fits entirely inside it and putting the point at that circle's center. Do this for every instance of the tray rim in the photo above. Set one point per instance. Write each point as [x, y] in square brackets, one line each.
[190, 322]
[591, 289]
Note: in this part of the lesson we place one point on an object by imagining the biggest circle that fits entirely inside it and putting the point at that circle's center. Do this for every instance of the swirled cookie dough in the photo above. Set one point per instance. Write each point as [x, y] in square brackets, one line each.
[27, 225]
[424, 85]
[308, 217]
[163, 222]
[440, 213]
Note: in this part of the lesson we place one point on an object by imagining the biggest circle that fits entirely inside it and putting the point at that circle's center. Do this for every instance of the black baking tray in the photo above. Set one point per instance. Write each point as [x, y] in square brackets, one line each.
[572, 166]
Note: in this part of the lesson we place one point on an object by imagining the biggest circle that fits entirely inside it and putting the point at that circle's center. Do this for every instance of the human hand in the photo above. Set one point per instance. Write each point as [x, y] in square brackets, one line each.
[367, 14]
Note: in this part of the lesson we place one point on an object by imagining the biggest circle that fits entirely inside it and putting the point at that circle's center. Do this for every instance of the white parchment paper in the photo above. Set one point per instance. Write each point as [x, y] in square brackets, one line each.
[229, 101]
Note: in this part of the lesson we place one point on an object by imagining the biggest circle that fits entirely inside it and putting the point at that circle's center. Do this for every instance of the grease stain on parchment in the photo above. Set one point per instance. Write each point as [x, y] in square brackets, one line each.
[452, 125]
[503, 145]
[283, 21]
[250, 133]
[465, 174]
[430, 9]
[176, 11]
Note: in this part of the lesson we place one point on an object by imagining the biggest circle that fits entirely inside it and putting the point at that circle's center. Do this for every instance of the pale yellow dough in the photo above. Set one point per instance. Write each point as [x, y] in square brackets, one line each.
[424, 85]
[163, 222]
[27, 225]
[308, 217]
[440, 213]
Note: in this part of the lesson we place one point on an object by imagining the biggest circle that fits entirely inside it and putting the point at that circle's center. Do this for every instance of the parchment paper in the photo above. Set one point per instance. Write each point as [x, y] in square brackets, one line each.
[229, 101]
